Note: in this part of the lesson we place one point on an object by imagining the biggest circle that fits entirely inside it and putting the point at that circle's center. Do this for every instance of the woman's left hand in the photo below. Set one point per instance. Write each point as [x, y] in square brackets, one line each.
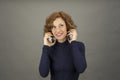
[73, 34]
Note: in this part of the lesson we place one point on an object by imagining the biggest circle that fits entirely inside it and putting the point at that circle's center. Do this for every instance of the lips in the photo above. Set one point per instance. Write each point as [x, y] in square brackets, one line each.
[59, 34]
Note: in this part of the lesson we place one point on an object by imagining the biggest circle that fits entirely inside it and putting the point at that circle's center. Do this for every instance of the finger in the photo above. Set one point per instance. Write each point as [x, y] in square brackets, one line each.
[48, 35]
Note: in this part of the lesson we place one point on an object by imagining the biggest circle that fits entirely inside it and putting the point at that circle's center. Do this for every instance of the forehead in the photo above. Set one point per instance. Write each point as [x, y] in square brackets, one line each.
[58, 21]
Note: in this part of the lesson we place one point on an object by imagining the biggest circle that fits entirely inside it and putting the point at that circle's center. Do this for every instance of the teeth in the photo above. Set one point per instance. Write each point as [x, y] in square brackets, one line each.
[58, 34]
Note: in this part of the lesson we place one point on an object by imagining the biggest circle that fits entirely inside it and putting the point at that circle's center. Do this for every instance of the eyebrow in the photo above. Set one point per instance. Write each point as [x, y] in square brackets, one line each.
[61, 23]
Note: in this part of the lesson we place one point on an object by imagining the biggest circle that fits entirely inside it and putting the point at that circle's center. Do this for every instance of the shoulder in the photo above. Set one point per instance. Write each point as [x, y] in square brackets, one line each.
[78, 43]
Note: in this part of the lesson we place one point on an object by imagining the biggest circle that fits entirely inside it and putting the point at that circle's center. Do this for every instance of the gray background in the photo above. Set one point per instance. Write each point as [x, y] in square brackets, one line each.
[21, 36]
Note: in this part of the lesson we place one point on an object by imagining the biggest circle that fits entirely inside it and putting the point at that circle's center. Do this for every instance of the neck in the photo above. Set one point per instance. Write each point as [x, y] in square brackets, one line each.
[61, 41]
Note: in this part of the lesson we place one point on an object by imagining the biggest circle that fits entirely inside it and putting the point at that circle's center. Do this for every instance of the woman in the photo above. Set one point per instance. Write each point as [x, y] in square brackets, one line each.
[63, 57]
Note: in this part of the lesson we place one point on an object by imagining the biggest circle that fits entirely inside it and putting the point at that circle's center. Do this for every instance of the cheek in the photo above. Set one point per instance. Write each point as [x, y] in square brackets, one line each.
[65, 29]
[65, 32]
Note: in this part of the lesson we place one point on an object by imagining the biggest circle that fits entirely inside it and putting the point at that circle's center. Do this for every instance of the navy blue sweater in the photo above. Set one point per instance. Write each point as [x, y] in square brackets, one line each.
[64, 61]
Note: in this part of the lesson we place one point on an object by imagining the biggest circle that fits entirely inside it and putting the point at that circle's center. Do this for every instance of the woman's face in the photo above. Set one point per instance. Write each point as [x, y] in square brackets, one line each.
[59, 29]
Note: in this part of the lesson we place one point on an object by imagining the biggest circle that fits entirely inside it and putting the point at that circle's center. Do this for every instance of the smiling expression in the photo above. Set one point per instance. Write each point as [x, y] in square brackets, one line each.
[59, 29]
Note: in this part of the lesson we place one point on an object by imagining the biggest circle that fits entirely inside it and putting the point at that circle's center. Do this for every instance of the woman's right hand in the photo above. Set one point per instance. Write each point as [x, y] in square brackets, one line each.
[46, 37]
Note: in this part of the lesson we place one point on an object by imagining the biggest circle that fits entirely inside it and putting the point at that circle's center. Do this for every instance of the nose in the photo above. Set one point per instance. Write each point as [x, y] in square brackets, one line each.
[57, 29]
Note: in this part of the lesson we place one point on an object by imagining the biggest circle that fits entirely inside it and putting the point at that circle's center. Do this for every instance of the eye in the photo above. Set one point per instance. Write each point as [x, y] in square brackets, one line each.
[53, 27]
[61, 25]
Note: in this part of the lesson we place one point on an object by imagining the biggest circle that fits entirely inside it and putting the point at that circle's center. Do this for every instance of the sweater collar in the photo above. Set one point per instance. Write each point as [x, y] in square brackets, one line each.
[63, 43]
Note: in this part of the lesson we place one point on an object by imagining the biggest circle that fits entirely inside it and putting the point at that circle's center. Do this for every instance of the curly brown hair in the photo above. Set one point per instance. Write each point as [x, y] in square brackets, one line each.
[49, 21]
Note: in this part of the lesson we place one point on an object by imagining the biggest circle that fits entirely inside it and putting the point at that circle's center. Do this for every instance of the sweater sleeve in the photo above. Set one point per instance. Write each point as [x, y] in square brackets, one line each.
[44, 66]
[78, 52]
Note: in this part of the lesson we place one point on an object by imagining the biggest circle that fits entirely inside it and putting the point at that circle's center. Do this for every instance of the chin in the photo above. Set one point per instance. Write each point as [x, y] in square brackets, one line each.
[60, 38]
